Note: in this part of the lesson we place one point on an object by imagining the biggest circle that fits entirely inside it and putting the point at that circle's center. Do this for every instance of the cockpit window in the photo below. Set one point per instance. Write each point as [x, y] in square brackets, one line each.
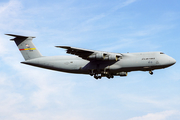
[161, 53]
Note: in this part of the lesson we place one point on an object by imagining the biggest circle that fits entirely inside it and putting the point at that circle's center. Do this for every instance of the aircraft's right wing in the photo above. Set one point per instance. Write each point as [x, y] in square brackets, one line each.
[91, 54]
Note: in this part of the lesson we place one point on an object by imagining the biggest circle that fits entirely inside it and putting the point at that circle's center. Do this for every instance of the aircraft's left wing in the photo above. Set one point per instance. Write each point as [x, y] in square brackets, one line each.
[83, 53]
[91, 54]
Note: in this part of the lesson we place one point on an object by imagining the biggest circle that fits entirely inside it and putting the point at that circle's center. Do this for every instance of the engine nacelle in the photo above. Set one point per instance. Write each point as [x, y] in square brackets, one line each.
[105, 56]
[97, 56]
[113, 57]
[122, 74]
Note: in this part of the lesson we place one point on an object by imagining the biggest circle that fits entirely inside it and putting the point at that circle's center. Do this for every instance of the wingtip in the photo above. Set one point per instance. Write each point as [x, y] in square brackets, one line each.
[8, 34]
[65, 47]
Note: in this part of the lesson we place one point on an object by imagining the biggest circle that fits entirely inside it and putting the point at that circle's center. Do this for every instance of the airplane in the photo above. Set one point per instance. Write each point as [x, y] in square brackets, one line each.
[95, 63]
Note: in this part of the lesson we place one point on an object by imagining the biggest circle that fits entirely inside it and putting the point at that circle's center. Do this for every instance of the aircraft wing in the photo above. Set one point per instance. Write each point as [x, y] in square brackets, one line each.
[83, 53]
[91, 54]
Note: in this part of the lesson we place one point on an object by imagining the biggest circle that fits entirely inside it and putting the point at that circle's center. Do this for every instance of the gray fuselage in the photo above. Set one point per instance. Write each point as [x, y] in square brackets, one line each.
[145, 61]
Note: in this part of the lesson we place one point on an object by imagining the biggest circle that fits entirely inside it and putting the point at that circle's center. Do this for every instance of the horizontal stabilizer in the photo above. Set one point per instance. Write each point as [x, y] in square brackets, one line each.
[19, 36]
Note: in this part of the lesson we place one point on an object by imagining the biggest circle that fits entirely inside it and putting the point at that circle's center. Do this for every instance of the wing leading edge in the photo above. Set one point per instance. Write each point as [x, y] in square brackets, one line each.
[91, 54]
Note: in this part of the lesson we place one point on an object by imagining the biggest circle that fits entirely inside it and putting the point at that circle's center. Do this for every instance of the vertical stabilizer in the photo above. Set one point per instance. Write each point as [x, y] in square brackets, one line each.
[26, 47]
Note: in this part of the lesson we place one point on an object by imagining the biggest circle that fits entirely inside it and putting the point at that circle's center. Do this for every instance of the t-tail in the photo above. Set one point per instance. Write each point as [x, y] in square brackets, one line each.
[26, 46]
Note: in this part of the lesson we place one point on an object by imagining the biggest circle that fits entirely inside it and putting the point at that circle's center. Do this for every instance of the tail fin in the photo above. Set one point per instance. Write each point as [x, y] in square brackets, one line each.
[25, 45]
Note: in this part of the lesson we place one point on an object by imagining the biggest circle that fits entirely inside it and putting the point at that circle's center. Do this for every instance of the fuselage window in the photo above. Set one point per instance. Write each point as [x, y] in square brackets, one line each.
[161, 53]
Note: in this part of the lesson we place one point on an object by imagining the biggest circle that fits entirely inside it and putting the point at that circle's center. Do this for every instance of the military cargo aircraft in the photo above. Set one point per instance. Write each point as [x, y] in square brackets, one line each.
[95, 63]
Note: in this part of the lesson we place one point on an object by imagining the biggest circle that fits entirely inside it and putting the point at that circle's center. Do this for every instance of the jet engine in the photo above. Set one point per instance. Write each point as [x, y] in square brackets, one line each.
[97, 56]
[104, 56]
[112, 57]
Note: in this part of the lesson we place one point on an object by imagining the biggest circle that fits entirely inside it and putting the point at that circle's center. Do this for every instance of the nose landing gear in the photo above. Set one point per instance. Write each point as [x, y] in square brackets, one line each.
[150, 72]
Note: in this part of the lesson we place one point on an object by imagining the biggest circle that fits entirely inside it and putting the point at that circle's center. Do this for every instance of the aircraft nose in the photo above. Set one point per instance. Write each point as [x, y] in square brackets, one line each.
[172, 61]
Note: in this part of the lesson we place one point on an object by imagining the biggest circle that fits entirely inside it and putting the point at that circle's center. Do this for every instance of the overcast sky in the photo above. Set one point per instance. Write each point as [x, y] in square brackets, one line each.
[30, 93]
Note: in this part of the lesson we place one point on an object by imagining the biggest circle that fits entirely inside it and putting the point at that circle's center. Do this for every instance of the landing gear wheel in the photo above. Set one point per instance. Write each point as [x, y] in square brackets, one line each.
[91, 72]
[96, 76]
[110, 76]
[150, 72]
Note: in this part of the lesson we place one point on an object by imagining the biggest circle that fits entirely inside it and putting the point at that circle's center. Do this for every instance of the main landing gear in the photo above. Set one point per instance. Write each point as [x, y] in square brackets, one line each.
[150, 72]
[97, 76]
[94, 73]
[100, 75]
